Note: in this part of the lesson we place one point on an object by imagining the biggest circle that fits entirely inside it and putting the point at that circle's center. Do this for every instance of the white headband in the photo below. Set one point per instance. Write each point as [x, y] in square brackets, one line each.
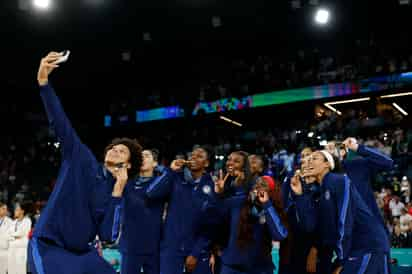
[329, 157]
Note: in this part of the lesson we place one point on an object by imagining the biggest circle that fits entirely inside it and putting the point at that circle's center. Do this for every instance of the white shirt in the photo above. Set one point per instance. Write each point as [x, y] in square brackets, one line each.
[404, 186]
[19, 233]
[404, 221]
[5, 225]
[396, 208]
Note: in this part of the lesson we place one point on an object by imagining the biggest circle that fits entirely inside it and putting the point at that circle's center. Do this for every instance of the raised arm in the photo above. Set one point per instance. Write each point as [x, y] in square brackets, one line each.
[58, 120]
[305, 206]
[375, 159]
[161, 186]
[276, 228]
[109, 217]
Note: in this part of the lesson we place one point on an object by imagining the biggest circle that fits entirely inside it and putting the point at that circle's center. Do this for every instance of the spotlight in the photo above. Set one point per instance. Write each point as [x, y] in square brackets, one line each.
[322, 16]
[42, 4]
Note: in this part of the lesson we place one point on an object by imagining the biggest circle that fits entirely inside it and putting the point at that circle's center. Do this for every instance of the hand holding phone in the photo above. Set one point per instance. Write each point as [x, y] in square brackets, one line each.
[64, 57]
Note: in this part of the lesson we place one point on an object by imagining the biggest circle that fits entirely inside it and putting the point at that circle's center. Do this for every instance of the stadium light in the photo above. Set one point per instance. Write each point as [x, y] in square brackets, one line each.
[401, 110]
[333, 109]
[349, 101]
[396, 95]
[322, 16]
[42, 4]
[231, 121]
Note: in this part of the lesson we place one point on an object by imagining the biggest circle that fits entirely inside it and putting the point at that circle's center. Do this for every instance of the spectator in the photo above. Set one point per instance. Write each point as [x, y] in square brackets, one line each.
[19, 240]
[405, 190]
[396, 206]
[386, 201]
[405, 219]
[5, 226]
[409, 207]
[398, 238]
[396, 186]
[380, 203]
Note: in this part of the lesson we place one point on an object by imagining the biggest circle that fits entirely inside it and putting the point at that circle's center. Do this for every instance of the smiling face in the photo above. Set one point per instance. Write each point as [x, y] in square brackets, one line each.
[199, 160]
[317, 165]
[235, 162]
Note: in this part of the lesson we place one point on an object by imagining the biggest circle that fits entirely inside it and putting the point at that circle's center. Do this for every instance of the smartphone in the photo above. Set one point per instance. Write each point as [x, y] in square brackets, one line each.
[65, 56]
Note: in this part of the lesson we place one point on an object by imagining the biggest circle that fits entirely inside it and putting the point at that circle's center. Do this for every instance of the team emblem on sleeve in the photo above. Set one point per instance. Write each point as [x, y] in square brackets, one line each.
[206, 189]
[327, 195]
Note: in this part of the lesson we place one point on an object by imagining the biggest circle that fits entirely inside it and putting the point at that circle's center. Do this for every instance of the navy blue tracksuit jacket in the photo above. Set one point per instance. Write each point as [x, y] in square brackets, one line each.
[345, 221]
[301, 241]
[250, 259]
[80, 207]
[362, 170]
[141, 226]
[184, 231]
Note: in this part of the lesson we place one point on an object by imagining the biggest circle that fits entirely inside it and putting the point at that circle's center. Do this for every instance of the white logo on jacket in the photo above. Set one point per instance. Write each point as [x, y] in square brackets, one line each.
[327, 195]
[206, 189]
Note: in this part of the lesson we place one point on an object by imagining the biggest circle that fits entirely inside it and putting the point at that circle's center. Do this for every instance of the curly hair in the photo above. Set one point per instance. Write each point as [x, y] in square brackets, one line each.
[135, 149]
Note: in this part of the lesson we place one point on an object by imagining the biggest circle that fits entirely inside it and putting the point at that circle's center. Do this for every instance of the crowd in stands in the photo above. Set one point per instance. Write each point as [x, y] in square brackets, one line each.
[305, 68]
[216, 78]
[28, 170]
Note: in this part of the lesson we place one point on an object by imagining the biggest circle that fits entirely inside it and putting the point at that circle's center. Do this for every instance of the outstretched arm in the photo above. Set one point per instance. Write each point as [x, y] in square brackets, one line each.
[58, 120]
[375, 159]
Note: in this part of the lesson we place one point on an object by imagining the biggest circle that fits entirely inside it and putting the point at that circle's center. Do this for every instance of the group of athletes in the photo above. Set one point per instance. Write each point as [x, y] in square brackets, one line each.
[324, 216]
